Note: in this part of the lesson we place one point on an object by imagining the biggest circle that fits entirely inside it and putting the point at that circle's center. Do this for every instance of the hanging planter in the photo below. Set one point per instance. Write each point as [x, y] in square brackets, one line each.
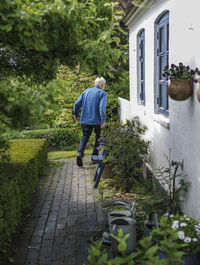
[180, 89]
[181, 81]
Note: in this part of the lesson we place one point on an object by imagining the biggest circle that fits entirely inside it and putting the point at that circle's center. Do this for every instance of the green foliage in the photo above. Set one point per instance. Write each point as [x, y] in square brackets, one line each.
[18, 180]
[4, 149]
[121, 240]
[68, 86]
[119, 85]
[19, 99]
[178, 72]
[146, 254]
[37, 36]
[112, 108]
[60, 138]
[66, 154]
[126, 150]
[44, 33]
[150, 198]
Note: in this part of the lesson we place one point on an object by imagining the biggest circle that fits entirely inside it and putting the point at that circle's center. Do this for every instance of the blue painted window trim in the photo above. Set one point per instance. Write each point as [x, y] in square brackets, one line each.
[162, 35]
[141, 66]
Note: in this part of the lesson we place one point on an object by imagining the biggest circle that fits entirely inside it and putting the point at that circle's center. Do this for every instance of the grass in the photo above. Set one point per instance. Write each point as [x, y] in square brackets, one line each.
[65, 154]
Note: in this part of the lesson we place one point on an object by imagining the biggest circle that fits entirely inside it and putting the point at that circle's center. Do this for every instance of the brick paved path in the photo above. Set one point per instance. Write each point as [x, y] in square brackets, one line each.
[65, 214]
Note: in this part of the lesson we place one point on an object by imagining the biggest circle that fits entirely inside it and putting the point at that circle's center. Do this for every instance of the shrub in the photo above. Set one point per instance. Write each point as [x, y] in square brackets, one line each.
[60, 138]
[127, 150]
[112, 108]
[4, 148]
[18, 180]
[68, 86]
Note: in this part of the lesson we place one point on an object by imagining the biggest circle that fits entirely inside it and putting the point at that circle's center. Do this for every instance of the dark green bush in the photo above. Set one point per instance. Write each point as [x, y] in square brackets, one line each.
[127, 150]
[59, 138]
[4, 148]
[18, 180]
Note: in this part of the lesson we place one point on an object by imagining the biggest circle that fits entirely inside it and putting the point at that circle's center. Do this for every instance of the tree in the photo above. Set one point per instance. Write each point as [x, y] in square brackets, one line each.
[38, 35]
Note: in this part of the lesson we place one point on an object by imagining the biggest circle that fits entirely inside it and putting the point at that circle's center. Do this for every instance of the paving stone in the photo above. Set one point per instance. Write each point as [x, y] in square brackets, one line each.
[32, 254]
[64, 215]
[20, 256]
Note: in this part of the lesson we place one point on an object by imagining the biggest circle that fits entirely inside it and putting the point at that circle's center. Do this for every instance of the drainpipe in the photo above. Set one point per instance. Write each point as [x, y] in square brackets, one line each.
[176, 164]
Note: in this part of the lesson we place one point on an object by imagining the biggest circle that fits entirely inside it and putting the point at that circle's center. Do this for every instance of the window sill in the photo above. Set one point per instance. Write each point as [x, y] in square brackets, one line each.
[164, 121]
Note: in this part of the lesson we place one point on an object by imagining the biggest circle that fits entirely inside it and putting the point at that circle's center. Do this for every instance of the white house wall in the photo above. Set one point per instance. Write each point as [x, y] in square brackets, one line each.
[124, 109]
[177, 136]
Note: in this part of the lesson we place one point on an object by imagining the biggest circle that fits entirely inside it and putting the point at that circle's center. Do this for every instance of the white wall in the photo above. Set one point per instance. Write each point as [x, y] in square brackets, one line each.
[124, 109]
[177, 136]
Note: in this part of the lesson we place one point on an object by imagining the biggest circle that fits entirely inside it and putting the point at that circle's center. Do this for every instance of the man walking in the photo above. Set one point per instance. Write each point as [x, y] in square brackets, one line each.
[93, 103]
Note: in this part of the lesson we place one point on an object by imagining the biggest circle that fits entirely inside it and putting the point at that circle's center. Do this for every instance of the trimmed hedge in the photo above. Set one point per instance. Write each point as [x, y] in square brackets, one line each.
[60, 138]
[18, 180]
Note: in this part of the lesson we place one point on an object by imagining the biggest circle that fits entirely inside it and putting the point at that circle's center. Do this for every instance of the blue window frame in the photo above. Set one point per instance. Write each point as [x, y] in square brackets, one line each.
[162, 59]
[141, 66]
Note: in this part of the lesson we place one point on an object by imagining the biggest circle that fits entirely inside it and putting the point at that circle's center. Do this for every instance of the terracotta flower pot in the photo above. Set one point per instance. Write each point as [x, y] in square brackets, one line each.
[180, 89]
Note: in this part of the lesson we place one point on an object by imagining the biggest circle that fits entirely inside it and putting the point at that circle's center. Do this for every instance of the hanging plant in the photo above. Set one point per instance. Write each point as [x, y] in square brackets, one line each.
[181, 81]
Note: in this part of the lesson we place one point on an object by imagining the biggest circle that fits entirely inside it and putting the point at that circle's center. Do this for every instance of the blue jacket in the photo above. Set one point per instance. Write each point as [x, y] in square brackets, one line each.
[93, 103]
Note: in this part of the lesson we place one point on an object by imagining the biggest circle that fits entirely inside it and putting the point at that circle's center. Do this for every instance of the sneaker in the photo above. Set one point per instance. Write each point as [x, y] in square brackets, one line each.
[79, 161]
[94, 159]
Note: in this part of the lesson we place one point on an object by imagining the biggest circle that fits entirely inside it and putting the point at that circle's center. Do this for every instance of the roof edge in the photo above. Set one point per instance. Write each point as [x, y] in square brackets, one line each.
[136, 12]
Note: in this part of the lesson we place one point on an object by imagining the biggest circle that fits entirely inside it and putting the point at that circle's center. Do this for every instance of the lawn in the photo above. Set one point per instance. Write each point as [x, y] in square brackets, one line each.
[65, 154]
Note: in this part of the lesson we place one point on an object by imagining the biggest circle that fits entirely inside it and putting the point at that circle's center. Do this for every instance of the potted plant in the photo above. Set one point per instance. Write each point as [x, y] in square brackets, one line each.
[181, 83]
[186, 234]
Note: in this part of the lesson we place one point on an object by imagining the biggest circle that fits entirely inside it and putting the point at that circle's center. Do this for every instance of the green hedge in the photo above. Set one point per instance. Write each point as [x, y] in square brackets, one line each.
[60, 138]
[18, 180]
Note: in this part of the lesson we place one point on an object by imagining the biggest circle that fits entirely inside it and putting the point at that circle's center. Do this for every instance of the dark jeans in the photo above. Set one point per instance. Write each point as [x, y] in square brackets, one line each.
[87, 131]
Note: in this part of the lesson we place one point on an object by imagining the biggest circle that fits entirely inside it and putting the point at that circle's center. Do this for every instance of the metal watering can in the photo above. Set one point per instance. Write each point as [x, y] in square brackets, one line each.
[128, 226]
[149, 225]
[129, 212]
[109, 206]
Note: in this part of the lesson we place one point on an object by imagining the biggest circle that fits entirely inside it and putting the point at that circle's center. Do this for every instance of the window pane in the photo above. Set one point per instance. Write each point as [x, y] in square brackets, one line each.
[167, 103]
[141, 66]
[161, 67]
[142, 91]
[161, 92]
[161, 35]
[142, 49]
[142, 70]
[163, 53]
[167, 37]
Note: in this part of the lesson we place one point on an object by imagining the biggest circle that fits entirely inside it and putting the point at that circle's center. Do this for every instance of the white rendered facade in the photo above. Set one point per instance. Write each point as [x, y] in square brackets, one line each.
[177, 134]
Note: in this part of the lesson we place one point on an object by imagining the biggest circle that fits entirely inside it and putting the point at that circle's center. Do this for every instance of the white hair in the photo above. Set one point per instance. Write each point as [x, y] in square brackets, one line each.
[99, 81]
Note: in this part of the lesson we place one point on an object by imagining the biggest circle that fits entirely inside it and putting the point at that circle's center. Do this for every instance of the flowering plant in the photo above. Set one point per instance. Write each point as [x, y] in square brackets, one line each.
[178, 72]
[187, 230]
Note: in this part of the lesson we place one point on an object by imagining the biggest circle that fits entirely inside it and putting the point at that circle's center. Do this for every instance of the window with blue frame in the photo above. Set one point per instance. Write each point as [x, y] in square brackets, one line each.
[141, 66]
[162, 62]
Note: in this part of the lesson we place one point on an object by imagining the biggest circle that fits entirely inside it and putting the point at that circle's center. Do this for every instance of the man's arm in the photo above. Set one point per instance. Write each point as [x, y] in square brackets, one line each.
[102, 109]
[76, 108]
